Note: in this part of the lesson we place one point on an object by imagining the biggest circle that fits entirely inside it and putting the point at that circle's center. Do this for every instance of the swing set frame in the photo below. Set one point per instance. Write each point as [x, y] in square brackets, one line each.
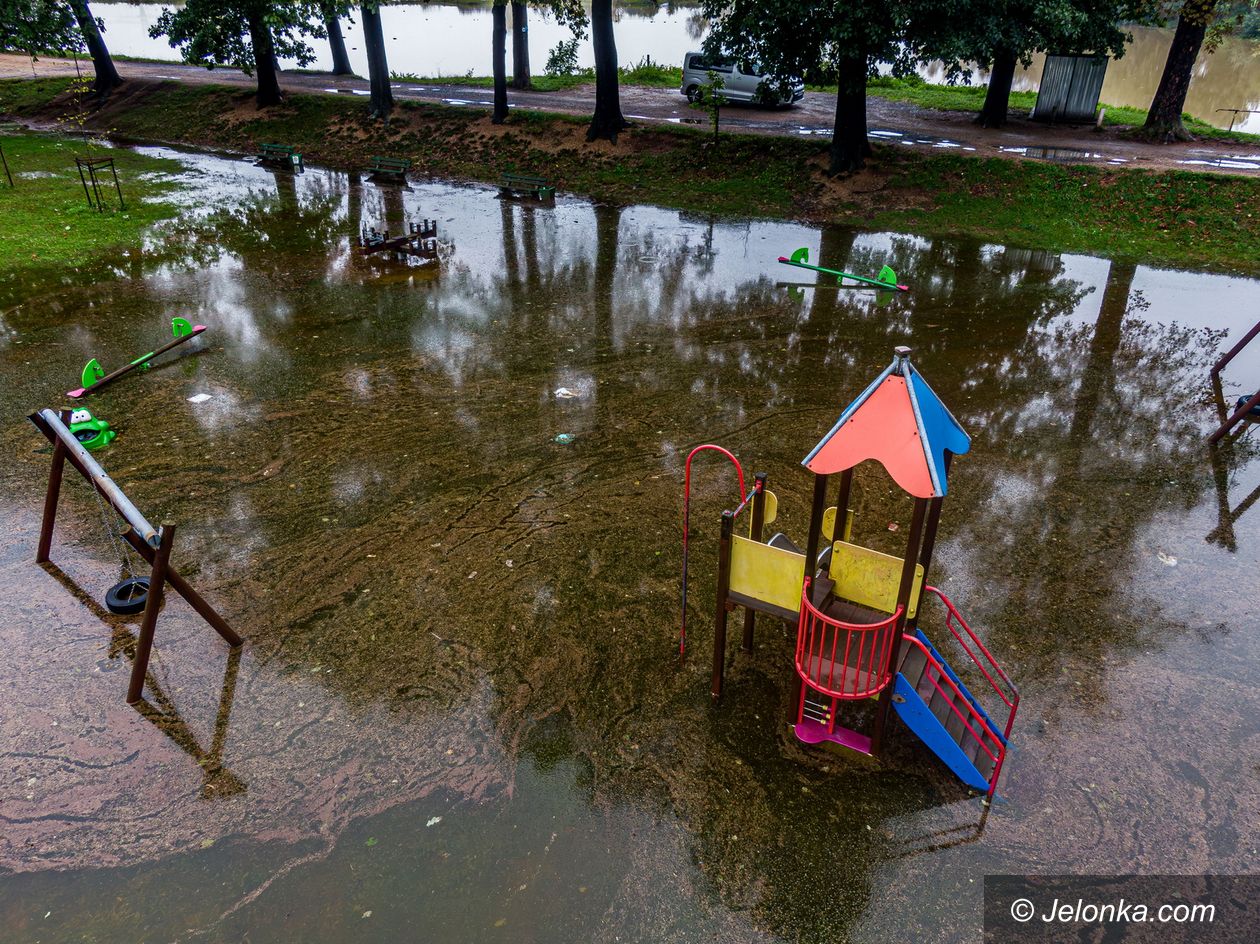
[152, 544]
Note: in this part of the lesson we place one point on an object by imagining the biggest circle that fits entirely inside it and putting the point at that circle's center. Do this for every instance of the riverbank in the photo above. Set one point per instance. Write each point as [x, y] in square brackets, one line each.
[1169, 218]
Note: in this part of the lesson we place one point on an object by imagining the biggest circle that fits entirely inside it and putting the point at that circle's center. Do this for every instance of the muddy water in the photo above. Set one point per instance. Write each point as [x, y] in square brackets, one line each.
[458, 716]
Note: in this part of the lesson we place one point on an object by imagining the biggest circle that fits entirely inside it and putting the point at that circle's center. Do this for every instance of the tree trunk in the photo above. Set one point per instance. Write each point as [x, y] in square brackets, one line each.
[107, 77]
[1163, 121]
[849, 146]
[264, 58]
[998, 97]
[378, 67]
[520, 46]
[337, 43]
[607, 122]
[498, 46]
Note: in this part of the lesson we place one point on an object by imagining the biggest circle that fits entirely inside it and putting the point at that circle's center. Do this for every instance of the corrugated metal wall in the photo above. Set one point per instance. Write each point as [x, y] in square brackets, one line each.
[1070, 86]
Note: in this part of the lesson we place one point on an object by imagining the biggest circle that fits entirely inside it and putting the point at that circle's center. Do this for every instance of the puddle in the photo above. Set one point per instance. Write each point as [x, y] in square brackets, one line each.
[460, 701]
[1224, 163]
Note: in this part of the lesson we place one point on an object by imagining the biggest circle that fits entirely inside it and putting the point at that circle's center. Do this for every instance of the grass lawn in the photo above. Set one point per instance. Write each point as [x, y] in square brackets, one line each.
[45, 218]
[971, 98]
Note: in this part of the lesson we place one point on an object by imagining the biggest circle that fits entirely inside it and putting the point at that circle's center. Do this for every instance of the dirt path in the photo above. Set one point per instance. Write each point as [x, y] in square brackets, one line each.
[891, 122]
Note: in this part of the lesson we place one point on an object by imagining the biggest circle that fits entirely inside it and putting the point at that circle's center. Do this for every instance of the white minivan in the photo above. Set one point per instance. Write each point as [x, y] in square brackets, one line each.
[740, 82]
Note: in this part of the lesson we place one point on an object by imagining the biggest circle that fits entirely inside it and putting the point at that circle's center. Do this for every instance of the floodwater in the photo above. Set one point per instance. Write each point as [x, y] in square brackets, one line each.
[438, 39]
[459, 715]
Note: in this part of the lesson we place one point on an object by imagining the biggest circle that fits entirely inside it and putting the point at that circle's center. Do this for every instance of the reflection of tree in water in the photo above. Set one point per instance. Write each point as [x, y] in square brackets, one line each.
[1101, 426]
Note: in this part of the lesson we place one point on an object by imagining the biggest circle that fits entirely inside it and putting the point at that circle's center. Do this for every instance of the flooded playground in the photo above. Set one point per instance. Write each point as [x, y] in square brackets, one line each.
[442, 502]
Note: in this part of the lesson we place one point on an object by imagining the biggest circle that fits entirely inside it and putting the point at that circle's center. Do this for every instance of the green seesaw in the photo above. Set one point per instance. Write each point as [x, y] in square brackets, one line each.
[94, 376]
[887, 278]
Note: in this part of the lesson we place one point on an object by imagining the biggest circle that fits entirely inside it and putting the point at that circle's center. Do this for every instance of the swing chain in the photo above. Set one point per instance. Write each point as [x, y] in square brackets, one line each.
[115, 535]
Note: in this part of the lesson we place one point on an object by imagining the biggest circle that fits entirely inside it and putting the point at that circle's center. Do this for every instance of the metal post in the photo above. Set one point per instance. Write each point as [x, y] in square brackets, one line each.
[1237, 415]
[117, 186]
[903, 601]
[157, 580]
[719, 618]
[815, 524]
[50, 502]
[1233, 351]
[758, 522]
[929, 536]
[83, 180]
[4, 160]
[842, 506]
[185, 590]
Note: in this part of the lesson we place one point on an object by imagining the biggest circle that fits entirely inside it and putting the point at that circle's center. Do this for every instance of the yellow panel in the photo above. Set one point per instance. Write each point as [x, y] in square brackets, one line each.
[871, 579]
[829, 524]
[769, 574]
[772, 511]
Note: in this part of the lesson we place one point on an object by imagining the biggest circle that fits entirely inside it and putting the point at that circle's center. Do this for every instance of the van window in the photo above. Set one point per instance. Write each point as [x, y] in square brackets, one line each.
[701, 64]
[750, 69]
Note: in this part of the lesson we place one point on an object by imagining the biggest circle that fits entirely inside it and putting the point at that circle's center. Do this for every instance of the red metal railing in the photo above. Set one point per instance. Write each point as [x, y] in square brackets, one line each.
[843, 660]
[1006, 691]
[973, 720]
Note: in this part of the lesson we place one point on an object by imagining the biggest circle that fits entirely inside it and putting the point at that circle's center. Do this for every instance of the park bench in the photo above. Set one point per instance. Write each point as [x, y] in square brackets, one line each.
[389, 168]
[516, 186]
[280, 155]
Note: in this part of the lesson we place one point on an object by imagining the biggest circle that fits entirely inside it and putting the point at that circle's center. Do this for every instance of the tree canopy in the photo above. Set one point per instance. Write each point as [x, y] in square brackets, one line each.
[247, 34]
[38, 26]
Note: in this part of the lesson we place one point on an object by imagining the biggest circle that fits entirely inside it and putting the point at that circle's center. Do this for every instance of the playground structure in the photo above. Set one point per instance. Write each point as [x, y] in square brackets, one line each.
[858, 643]
[885, 280]
[152, 544]
[94, 376]
[91, 175]
[419, 242]
[1246, 409]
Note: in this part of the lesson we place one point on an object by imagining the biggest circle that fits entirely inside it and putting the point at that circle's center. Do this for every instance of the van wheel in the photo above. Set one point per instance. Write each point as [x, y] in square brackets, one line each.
[695, 94]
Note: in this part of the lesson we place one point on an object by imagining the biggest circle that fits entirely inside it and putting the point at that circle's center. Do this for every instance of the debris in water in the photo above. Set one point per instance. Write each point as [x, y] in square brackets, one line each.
[564, 393]
[434, 821]
[199, 398]
[1167, 559]
[893, 526]
[565, 438]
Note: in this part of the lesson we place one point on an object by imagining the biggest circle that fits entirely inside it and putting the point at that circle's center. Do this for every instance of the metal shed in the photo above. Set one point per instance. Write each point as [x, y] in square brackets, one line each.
[1070, 86]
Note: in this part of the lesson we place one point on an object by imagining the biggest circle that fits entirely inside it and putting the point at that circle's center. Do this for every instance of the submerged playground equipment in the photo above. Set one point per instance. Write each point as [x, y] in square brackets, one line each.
[859, 649]
[152, 544]
[886, 280]
[94, 376]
